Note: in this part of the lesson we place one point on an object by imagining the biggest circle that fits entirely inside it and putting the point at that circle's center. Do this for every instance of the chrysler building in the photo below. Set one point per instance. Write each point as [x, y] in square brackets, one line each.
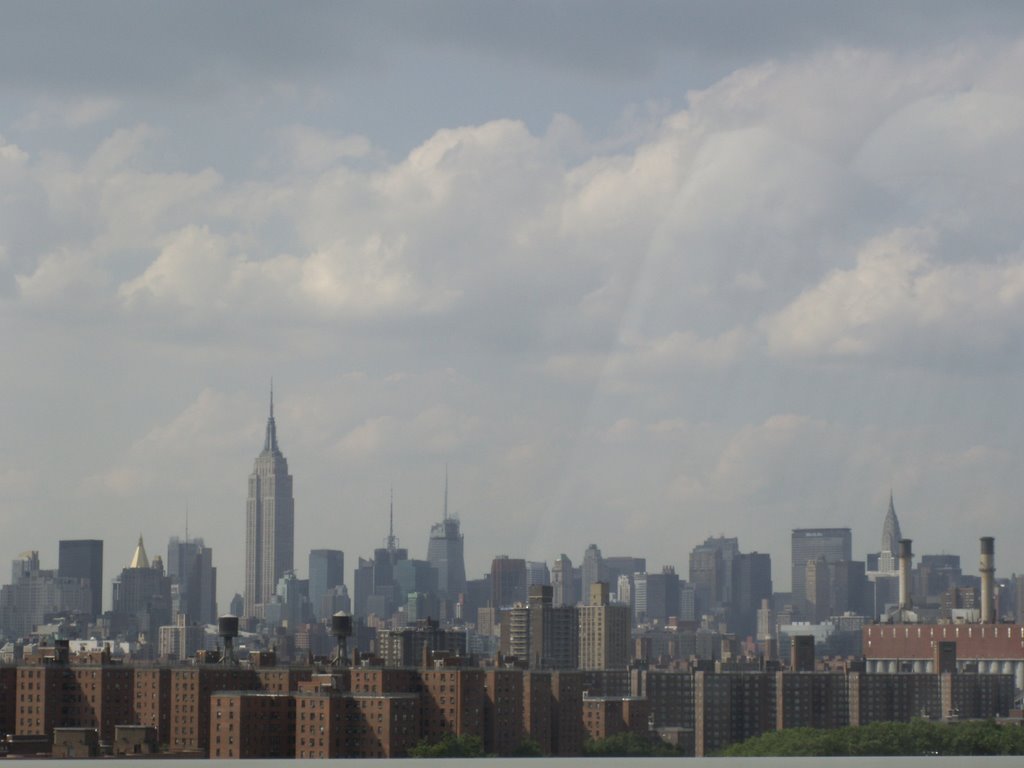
[269, 522]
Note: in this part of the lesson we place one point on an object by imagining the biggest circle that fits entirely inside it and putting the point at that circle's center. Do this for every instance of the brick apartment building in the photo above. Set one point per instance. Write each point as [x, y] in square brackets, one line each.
[373, 711]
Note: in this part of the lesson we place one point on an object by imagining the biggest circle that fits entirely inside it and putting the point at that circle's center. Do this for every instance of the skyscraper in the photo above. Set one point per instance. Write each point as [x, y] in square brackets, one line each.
[563, 582]
[326, 570]
[445, 553]
[604, 631]
[384, 593]
[656, 595]
[751, 584]
[142, 595]
[83, 559]
[537, 572]
[890, 540]
[269, 522]
[194, 579]
[592, 568]
[711, 567]
[508, 581]
[34, 593]
[832, 544]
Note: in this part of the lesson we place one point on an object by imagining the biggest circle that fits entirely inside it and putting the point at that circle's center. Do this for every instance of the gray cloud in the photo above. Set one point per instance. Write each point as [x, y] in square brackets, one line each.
[783, 289]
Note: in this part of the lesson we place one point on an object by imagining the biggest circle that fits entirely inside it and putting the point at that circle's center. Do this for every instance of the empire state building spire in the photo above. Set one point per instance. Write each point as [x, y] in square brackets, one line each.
[270, 441]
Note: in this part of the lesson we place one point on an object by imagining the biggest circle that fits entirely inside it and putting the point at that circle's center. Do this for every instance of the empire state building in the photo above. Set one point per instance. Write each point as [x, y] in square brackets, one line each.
[269, 522]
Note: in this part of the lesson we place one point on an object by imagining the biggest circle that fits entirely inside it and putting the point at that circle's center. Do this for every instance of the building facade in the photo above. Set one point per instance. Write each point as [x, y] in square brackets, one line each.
[326, 571]
[83, 559]
[445, 553]
[833, 545]
[604, 631]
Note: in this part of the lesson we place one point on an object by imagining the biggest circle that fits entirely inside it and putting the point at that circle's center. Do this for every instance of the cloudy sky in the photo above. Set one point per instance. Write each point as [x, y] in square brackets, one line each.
[637, 273]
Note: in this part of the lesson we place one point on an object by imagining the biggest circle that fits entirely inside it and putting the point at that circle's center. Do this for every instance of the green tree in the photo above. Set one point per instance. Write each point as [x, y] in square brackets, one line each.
[450, 746]
[626, 744]
[919, 737]
[528, 748]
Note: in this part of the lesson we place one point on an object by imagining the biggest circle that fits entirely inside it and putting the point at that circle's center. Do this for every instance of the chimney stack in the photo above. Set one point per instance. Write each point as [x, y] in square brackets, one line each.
[988, 572]
[905, 556]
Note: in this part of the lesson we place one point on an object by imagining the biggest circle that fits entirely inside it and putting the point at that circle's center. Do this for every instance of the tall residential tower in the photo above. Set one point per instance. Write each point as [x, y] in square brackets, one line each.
[269, 522]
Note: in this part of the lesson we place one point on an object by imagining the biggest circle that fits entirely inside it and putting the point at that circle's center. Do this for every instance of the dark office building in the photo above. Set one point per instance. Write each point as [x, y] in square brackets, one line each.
[849, 587]
[622, 566]
[751, 583]
[711, 566]
[362, 586]
[508, 581]
[194, 579]
[83, 559]
[809, 544]
[326, 570]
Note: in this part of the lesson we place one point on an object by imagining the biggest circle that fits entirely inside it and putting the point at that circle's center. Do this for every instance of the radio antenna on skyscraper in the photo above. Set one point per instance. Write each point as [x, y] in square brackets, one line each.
[445, 491]
[391, 540]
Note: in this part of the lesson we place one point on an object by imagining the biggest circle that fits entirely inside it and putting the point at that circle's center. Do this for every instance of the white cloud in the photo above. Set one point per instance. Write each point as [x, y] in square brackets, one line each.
[12, 157]
[313, 150]
[75, 113]
[64, 276]
[700, 325]
[437, 431]
[898, 299]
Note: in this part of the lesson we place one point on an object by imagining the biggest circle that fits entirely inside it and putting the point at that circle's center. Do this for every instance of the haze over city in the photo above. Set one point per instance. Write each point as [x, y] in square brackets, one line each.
[637, 275]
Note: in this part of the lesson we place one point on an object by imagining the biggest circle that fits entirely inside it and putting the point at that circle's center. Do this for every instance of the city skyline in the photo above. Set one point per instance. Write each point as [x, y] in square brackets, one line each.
[831, 545]
[652, 273]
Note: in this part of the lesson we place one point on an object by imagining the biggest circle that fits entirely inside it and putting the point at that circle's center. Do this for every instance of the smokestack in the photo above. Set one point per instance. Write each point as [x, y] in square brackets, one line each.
[988, 572]
[905, 555]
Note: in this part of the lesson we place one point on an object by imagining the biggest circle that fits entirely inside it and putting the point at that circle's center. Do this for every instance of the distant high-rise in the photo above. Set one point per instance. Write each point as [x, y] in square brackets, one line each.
[656, 595]
[618, 565]
[445, 553]
[891, 530]
[604, 631]
[751, 584]
[592, 568]
[891, 536]
[818, 588]
[194, 577]
[142, 595]
[383, 596]
[563, 582]
[711, 568]
[537, 572]
[83, 559]
[269, 522]
[326, 571]
[34, 593]
[808, 544]
[508, 581]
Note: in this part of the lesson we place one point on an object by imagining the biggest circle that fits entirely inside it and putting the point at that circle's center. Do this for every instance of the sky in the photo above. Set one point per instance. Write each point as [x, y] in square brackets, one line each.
[636, 274]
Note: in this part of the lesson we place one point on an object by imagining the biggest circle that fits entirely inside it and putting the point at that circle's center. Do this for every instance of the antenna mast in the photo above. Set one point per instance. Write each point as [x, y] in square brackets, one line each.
[391, 541]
